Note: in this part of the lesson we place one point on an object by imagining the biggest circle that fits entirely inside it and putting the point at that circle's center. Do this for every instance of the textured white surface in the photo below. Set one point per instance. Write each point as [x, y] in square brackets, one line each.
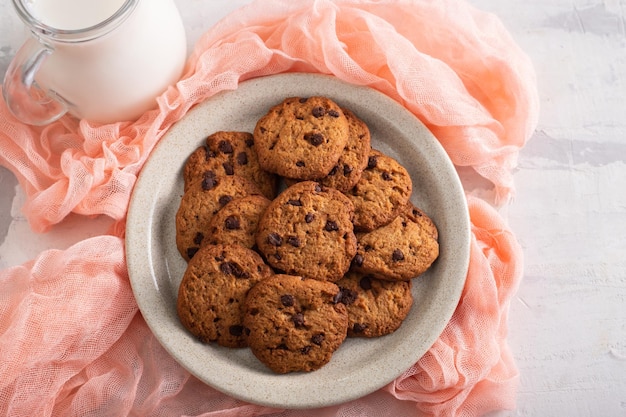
[568, 322]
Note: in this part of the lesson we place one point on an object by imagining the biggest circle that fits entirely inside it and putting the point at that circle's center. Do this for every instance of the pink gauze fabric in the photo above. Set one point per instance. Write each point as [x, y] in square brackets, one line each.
[72, 341]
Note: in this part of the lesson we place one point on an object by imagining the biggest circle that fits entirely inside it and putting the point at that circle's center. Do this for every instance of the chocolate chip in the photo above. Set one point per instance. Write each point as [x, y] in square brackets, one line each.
[296, 203]
[274, 239]
[298, 319]
[287, 300]
[262, 129]
[225, 146]
[417, 213]
[368, 248]
[305, 350]
[236, 330]
[387, 176]
[232, 223]
[318, 188]
[226, 268]
[359, 328]
[198, 238]
[348, 296]
[347, 170]
[294, 241]
[358, 260]
[318, 111]
[225, 199]
[303, 99]
[366, 283]
[208, 182]
[372, 161]
[228, 168]
[282, 346]
[318, 338]
[397, 255]
[333, 171]
[231, 268]
[249, 143]
[315, 139]
[191, 252]
[331, 226]
[309, 217]
[333, 113]
[242, 158]
[300, 164]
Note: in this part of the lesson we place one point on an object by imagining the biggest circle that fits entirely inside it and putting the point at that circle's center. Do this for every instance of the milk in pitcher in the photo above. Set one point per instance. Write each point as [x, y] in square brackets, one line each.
[118, 75]
[73, 14]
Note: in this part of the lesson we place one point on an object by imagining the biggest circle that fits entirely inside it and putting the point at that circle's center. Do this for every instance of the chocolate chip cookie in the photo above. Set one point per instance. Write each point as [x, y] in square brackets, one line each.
[229, 153]
[382, 191]
[400, 250]
[212, 294]
[200, 202]
[307, 230]
[293, 323]
[237, 221]
[375, 307]
[301, 138]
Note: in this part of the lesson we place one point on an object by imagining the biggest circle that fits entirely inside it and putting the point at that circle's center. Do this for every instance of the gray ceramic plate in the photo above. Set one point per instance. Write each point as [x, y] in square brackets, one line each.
[360, 366]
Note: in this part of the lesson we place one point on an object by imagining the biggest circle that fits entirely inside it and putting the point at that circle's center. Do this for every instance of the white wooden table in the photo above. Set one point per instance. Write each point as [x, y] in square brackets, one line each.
[568, 321]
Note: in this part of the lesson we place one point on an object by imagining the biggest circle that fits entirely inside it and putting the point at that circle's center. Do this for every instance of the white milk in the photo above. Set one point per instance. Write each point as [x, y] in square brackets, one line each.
[73, 14]
[117, 76]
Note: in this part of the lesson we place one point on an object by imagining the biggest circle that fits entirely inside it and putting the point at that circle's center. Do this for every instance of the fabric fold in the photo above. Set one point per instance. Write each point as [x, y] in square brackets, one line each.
[69, 326]
[481, 365]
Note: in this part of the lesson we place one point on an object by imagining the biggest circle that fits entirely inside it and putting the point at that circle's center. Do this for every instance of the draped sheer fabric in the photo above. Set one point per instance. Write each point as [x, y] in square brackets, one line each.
[72, 340]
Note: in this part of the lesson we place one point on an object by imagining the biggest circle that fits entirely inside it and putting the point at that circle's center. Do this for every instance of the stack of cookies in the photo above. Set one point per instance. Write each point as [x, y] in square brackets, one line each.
[292, 273]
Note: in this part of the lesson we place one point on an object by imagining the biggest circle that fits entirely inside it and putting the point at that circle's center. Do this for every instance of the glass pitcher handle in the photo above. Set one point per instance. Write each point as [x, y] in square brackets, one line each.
[27, 101]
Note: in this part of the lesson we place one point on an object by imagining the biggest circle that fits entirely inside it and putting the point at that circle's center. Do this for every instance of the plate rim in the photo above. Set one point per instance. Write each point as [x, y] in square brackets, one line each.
[134, 241]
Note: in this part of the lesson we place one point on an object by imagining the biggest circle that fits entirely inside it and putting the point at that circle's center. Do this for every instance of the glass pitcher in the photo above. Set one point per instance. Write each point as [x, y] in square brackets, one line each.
[104, 61]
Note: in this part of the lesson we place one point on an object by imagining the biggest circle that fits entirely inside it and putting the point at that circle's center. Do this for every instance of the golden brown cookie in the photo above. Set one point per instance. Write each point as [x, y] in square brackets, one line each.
[384, 188]
[294, 324]
[375, 307]
[301, 138]
[307, 230]
[229, 153]
[212, 293]
[237, 222]
[400, 250]
[200, 202]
